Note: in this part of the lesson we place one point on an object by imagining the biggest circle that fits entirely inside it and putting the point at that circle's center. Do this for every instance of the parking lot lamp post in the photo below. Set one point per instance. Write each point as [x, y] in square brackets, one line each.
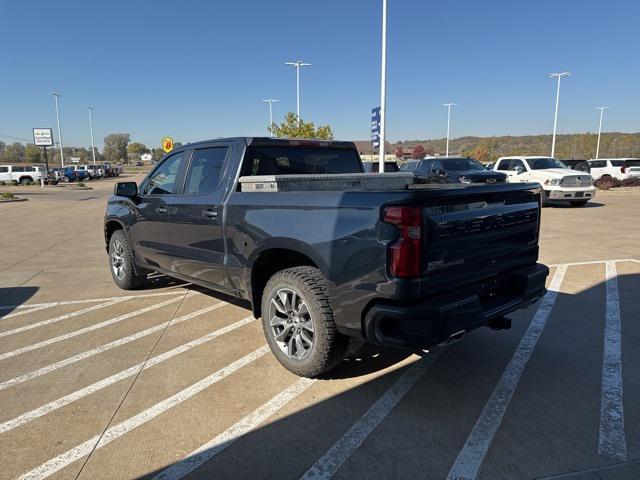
[298, 64]
[270, 102]
[56, 95]
[448, 105]
[93, 147]
[602, 109]
[555, 118]
[383, 88]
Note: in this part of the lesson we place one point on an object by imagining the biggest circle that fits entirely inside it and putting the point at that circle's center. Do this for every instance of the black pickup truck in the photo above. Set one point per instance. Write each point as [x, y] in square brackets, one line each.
[410, 267]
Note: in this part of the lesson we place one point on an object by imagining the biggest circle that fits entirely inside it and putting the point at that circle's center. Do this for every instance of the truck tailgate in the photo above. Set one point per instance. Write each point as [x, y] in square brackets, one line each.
[467, 238]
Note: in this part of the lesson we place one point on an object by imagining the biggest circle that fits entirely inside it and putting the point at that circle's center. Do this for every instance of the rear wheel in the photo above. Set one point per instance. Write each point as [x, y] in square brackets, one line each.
[578, 203]
[121, 263]
[298, 323]
[26, 181]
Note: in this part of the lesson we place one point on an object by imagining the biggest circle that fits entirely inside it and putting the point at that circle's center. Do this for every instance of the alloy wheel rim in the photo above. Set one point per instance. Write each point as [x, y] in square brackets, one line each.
[291, 323]
[117, 260]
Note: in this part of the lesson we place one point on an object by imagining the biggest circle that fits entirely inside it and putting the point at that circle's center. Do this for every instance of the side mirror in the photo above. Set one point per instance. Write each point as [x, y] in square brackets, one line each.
[126, 189]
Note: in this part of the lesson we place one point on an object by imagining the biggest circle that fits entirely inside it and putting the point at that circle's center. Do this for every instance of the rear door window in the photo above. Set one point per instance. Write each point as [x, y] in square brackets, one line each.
[205, 170]
[617, 163]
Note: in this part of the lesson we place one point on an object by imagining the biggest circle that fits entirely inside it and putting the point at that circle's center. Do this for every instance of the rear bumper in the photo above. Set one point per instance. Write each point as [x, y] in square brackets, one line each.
[435, 320]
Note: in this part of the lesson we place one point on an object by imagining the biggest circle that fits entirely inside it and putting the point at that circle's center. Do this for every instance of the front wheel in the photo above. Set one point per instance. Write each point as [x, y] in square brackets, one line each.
[121, 263]
[298, 323]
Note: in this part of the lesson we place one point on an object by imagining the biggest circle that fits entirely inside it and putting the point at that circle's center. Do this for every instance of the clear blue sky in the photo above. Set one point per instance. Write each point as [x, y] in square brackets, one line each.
[198, 69]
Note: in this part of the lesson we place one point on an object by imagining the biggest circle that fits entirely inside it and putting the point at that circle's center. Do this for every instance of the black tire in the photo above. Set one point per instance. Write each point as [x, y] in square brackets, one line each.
[328, 347]
[544, 198]
[26, 181]
[121, 263]
[578, 203]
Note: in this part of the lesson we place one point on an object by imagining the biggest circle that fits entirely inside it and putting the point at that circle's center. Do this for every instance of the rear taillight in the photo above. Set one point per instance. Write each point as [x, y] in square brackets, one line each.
[405, 253]
[623, 169]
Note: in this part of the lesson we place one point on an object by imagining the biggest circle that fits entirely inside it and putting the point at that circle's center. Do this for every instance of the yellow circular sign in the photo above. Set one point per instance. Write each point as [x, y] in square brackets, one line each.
[167, 144]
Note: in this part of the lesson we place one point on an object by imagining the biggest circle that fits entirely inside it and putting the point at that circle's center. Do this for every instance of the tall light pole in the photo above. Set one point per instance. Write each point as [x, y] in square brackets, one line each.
[93, 147]
[298, 64]
[448, 105]
[383, 88]
[56, 96]
[555, 118]
[270, 102]
[602, 109]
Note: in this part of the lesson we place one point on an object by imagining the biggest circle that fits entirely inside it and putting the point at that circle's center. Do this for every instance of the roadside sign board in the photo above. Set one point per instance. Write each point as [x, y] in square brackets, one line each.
[167, 144]
[375, 127]
[42, 137]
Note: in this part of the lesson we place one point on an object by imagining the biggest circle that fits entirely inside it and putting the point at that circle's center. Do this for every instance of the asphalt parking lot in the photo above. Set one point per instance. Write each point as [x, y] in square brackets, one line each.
[176, 382]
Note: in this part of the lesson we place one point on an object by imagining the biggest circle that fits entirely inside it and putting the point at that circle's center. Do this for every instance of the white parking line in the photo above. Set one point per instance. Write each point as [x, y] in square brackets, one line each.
[116, 377]
[594, 262]
[612, 441]
[89, 300]
[59, 318]
[470, 458]
[103, 348]
[327, 465]
[91, 328]
[61, 461]
[25, 312]
[206, 452]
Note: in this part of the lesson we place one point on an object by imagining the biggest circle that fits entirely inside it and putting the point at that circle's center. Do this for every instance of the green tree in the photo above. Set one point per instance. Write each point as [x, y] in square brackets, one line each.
[292, 128]
[137, 148]
[157, 154]
[14, 152]
[115, 147]
[32, 154]
[2, 147]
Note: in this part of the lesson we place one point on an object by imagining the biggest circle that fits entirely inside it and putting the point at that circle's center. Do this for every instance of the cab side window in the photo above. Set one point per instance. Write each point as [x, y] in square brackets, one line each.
[504, 165]
[205, 170]
[163, 179]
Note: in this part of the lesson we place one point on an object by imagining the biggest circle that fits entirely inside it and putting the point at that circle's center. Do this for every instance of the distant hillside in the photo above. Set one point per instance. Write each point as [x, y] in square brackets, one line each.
[578, 145]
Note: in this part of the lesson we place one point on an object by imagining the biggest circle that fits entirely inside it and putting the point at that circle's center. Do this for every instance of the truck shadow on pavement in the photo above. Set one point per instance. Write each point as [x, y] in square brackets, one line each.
[12, 297]
[556, 405]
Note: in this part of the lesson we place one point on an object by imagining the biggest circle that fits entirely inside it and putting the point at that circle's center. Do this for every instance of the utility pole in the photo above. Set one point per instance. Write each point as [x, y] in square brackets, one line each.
[298, 64]
[56, 96]
[270, 102]
[93, 148]
[448, 105]
[555, 118]
[602, 109]
[383, 88]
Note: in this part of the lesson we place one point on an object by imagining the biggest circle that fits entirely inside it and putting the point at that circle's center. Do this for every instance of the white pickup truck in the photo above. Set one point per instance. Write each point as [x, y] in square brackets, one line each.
[23, 174]
[559, 183]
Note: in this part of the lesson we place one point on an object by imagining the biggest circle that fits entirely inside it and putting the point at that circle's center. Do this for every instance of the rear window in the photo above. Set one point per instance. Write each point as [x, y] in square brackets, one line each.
[277, 160]
[461, 164]
[617, 163]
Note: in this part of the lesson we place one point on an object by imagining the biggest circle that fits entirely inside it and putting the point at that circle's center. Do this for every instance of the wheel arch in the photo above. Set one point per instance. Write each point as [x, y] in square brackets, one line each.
[272, 260]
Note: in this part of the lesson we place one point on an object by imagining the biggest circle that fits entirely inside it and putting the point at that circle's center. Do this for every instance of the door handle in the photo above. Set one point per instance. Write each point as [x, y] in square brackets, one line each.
[210, 213]
[161, 210]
